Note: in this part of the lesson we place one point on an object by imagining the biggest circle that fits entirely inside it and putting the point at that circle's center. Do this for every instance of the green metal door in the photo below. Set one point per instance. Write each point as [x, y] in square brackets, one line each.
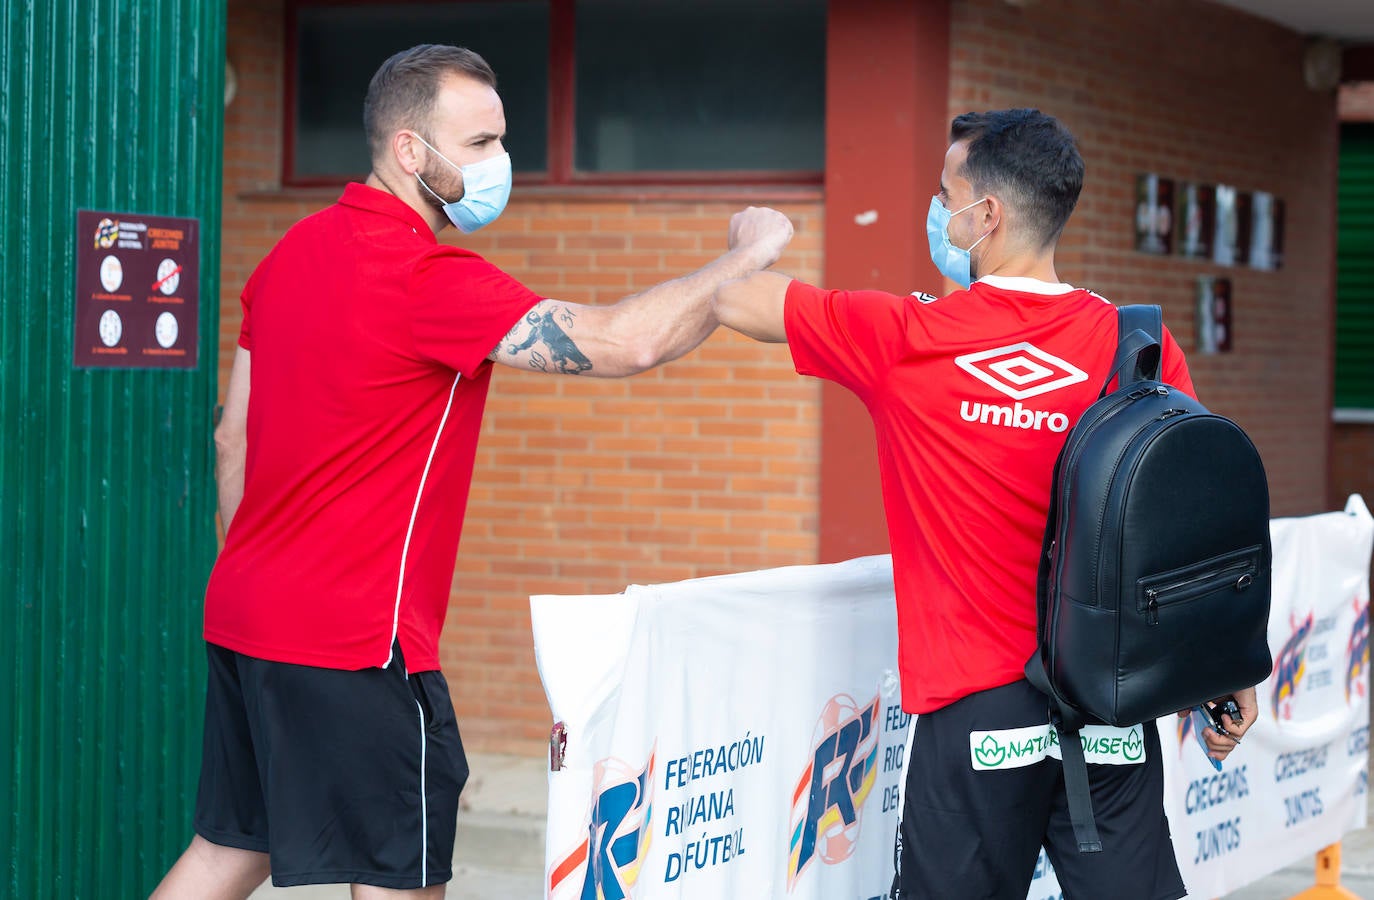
[106, 484]
[1355, 270]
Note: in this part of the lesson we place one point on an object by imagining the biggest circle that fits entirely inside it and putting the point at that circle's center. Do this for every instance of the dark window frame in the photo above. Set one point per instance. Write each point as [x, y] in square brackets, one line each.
[561, 117]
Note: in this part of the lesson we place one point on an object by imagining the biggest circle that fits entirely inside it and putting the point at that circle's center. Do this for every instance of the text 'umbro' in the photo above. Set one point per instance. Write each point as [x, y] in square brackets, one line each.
[1013, 416]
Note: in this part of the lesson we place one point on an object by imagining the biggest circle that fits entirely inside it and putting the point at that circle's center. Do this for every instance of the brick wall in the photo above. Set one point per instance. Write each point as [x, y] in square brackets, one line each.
[705, 466]
[1352, 464]
[1196, 92]
[1352, 469]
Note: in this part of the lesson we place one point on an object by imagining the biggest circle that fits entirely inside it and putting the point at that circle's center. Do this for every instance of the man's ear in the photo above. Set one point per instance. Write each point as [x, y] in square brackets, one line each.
[406, 149]
[993, 215]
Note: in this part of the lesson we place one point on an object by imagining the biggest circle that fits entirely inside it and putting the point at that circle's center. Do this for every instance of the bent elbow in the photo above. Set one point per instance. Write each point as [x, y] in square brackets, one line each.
[631, 353]
[646, 359]
[641, 345]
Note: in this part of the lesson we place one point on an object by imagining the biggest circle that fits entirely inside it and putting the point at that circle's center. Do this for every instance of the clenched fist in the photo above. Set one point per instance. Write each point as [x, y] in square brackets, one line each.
[761, 230]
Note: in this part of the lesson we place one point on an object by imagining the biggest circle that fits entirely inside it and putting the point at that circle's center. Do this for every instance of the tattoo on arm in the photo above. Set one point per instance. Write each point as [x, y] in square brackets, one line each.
[546, 329]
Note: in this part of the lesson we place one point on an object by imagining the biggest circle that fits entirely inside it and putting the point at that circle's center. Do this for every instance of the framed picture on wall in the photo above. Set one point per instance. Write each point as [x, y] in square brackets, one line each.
[1213, 314]
[1224, 234]
[1266, 232]
[1154, 214]
[1244, 231]
[1196, 219]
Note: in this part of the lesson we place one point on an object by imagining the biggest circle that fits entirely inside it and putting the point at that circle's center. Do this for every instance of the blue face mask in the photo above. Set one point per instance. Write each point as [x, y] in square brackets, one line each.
[953, 262]
[486, 188]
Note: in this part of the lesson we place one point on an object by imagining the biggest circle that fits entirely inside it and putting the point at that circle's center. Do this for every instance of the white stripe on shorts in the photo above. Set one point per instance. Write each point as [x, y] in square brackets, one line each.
[424, 805]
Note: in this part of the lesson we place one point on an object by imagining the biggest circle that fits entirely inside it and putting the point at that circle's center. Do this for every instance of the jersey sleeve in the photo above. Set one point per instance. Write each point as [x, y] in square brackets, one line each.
[462, 306]
[849, 337]
[1174, 367]
[246, 305]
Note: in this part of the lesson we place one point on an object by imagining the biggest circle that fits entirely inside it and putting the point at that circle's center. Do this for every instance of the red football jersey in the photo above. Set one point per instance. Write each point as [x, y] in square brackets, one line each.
[369, 374]
[971, 396]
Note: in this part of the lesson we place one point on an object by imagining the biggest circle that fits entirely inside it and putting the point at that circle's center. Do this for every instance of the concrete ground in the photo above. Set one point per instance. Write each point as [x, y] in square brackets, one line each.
[1357, 872]
[500, 847]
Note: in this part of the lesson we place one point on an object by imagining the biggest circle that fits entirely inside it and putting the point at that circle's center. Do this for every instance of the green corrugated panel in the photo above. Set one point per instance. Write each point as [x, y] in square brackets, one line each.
[106, 485]
[1355, 271]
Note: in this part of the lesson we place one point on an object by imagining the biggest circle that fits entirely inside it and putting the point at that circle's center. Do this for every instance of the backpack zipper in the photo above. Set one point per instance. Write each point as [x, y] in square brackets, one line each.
[1073, 453]
[1242, 572]
[1126, 399]
[1063, 494]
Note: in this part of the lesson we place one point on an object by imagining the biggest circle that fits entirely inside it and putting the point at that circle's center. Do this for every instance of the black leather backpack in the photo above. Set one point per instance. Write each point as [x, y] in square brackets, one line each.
[1154, 585]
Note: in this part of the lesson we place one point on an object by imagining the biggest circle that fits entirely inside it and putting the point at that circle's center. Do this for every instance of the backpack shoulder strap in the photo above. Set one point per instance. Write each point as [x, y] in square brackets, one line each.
[1140, 345]
[1067, 723]
[1076, 787]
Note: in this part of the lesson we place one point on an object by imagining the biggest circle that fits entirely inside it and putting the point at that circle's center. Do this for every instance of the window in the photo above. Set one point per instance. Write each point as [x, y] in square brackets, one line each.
[595, 91]
[338, 48]
[663, 85]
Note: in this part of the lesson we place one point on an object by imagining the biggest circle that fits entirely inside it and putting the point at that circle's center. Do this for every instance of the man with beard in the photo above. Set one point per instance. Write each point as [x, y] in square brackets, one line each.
[331, 753]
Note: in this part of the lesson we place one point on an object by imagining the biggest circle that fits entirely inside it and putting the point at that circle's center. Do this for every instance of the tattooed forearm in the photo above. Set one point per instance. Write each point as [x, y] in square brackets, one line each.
[545, 329]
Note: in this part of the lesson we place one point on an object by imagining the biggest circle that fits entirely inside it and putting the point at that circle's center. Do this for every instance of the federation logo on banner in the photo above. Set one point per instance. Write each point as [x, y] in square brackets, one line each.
[1185, 731]
[828, 801]
[106, 232]
[618, 835]
[1357, 652]
[1290, 666]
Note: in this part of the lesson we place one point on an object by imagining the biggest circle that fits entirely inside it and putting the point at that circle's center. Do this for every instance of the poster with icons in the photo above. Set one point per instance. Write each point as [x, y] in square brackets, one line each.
[137, 291]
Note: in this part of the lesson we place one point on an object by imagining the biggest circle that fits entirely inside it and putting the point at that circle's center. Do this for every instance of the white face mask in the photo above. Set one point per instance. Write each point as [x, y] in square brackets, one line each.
[486, 188]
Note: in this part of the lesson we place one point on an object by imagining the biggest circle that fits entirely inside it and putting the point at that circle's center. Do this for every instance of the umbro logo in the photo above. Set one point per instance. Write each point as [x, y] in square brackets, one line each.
[1021, 370]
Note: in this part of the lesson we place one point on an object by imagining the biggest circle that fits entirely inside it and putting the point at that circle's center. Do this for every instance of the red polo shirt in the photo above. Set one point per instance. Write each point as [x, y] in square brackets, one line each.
[971, 397]
[369, 374]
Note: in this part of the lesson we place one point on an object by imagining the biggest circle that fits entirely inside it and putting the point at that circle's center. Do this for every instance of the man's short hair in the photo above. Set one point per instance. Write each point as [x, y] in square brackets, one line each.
[403, 90]
[1029, 160]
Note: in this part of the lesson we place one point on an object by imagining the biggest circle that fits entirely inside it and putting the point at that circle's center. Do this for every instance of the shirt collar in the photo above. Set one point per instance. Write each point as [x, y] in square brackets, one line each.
[1025, 285]
[362, 196]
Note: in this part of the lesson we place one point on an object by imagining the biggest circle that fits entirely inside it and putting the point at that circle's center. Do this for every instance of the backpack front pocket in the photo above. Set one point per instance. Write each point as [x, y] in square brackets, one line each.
[1230, 572]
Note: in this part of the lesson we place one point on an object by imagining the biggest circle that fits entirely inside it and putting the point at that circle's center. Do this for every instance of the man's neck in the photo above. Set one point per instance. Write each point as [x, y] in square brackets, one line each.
[433, 217]
[1040, 267]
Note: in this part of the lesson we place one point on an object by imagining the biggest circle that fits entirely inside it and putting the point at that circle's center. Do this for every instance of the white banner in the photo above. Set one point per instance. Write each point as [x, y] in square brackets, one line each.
[742, 736]
[1298, 783]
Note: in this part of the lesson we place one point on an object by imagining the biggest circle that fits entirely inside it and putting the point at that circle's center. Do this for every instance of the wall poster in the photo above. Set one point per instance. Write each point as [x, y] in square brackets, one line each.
[137, 291]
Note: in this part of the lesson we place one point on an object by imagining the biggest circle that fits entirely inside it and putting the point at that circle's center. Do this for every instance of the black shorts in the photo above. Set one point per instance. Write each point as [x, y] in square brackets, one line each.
[975, 834]
[340, 776]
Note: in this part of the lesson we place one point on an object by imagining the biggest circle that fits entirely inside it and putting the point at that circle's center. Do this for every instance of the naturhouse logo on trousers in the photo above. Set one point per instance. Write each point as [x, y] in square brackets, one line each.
[1020, 371]
[1012, 748]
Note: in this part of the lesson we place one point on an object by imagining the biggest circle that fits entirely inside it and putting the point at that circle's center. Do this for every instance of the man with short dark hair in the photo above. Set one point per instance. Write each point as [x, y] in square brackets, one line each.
[971, 395]
[331, 752]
